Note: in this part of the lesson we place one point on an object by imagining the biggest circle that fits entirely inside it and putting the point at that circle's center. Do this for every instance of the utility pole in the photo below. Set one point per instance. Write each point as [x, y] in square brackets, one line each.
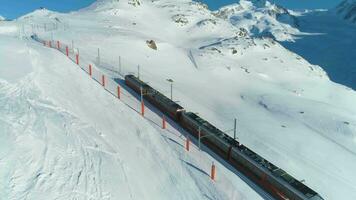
[171, 82]
[98, 56]
[235, 126]
[120, 65]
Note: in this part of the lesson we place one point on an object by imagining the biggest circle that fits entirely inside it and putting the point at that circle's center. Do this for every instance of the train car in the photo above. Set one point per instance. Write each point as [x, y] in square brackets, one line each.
[211, 136]
[164, 104]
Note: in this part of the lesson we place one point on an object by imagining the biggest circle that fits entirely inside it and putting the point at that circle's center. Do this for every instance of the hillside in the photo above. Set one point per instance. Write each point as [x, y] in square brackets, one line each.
[288, 110]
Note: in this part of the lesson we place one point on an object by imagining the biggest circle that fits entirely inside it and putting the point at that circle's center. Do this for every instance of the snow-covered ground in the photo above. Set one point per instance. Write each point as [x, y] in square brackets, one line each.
[64, 137]
[287, 109]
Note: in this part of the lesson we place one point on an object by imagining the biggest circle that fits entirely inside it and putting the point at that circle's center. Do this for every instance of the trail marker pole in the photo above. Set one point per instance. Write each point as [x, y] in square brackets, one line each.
[187, 143]
[103, 80]
[163, 122]
[118, 92]
[213, 171]
[90, 71]
[67, 51]
[58, 45]
[77, 58]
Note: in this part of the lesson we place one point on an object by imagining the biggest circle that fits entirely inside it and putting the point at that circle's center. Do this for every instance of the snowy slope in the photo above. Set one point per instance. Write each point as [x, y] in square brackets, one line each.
[347, 9]
[288, 110]
[64, 137]
[261, 18]
[2, 18]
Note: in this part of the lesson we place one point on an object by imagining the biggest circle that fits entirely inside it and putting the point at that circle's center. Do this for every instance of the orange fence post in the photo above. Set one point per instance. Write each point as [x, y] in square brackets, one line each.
[142, 108]
[163, 122]
[90, 72]
[67, 51]
[58, 45]
[213, 169]
[118, 92]
[187, 144]
[103, 80]
[77, 58]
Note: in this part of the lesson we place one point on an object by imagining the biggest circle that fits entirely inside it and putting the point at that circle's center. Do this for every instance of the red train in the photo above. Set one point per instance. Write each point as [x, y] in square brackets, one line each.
[263, 173]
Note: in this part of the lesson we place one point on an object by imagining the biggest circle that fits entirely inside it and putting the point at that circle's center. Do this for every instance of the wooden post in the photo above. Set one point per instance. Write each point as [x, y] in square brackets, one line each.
[142, 108]
[103, 80]
[118, 92]
[77, 58]
[213, 169]
[187, 143]
[90, 72]
[67, 51]
[58, 45]
[163, 122]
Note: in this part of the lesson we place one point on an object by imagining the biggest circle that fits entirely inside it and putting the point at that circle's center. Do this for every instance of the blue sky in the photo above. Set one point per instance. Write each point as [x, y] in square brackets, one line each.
[14, 8]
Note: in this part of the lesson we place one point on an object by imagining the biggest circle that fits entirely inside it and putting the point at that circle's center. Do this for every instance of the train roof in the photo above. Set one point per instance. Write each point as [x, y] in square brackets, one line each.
[211, 128]
[155, 93]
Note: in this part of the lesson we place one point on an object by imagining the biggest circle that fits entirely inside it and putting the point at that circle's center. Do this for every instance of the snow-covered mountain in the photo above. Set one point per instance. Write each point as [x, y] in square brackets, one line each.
[347, 9]
[79, 143]
[2, 18]
[261, 18]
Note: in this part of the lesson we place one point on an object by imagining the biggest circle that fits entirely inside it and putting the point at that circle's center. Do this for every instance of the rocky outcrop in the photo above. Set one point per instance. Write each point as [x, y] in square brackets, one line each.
[151, 44]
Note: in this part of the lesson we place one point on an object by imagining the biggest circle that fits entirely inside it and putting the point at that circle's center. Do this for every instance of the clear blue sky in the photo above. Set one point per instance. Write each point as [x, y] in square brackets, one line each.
[14, 8]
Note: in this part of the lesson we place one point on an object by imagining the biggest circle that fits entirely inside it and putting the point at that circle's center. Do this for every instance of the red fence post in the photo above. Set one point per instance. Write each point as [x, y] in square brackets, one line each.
[163, 122]
[142, 108]
[58, 45]
[187, 144]
[77, 58]
[118, 92]
[103, 80]
[90, 72]
[213, 169]
[67, 51]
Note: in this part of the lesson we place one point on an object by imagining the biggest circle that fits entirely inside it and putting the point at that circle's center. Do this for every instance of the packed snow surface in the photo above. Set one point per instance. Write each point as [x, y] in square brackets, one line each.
[288, 110]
